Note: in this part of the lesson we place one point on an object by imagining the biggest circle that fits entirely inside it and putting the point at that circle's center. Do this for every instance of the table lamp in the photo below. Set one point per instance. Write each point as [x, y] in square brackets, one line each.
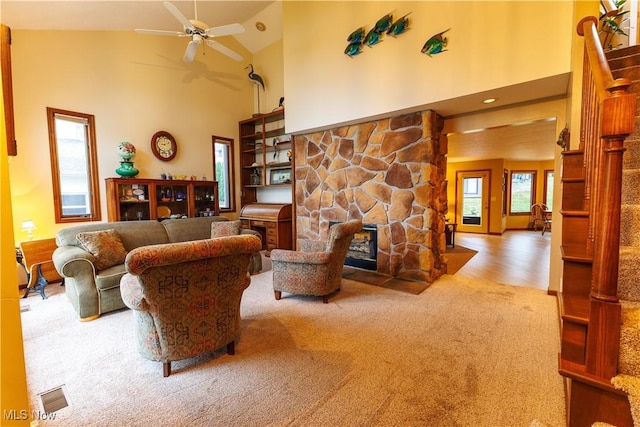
[28, 226]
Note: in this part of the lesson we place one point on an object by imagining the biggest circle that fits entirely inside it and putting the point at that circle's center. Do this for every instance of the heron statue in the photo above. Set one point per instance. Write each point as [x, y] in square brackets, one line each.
[257, 80]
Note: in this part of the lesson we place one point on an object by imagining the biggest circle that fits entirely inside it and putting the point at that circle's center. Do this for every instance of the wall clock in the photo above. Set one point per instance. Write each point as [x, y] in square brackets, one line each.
[164, 146]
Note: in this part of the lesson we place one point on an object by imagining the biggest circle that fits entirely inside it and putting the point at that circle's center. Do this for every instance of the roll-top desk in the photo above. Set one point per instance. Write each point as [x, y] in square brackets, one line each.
[272, 221]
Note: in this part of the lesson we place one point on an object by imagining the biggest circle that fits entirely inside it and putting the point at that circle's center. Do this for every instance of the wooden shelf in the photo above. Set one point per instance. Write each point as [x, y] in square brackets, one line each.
[256, 147]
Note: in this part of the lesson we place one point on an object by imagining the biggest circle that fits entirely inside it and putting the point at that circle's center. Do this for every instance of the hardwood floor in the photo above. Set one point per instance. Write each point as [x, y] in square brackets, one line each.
[518, 257]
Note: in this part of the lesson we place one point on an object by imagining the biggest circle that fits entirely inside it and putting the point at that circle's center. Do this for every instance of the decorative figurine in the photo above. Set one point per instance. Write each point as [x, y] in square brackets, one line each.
[383, 24]
[399, 27]
[435, 44]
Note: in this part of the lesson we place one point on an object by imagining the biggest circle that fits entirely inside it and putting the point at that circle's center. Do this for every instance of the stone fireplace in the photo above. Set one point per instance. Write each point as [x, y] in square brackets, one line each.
[390, 173]
[363, 250]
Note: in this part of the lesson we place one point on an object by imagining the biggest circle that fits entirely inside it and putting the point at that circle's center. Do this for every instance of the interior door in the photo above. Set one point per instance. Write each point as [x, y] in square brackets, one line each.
[472, 201]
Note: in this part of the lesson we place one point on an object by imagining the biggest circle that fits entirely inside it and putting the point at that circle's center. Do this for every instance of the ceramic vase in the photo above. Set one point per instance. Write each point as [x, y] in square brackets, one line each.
[126, 169]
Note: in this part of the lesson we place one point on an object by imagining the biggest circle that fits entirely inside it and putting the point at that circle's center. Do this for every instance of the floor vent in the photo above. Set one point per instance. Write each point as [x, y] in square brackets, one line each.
[24, 308]
[53, 400]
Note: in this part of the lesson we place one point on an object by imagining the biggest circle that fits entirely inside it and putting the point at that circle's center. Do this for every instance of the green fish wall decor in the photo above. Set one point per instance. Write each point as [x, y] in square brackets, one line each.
[435, 44]
[399, 27]
[357, 36]
[383, 24]
[373, 37]
[353, 49]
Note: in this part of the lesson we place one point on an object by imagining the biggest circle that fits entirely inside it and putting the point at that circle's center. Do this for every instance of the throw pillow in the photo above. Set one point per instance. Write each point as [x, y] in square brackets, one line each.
[225, 228]
[105, 245]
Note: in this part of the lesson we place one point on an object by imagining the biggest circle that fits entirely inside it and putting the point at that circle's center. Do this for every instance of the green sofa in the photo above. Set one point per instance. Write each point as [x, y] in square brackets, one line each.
[93, 292]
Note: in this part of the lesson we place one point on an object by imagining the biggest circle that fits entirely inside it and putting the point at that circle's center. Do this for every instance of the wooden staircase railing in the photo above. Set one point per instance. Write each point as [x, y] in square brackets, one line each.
[589, 305]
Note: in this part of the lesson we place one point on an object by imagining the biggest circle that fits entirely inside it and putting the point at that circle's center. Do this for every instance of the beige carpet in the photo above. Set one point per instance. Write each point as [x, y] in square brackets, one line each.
[457, 257]
[461, 353]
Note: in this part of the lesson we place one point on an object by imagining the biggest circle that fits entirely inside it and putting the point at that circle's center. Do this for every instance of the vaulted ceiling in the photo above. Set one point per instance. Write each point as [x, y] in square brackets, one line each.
[520, 141]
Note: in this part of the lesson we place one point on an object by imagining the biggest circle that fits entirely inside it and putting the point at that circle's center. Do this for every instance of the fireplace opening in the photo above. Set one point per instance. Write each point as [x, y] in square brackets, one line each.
[363, 250]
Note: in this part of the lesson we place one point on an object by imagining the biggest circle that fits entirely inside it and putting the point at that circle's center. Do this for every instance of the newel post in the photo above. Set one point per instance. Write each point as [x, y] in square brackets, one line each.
[617, 121]
[603, 340]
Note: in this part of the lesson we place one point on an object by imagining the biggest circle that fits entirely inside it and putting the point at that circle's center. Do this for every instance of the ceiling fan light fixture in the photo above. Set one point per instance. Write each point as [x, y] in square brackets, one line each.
[198, 31]
[260, 26]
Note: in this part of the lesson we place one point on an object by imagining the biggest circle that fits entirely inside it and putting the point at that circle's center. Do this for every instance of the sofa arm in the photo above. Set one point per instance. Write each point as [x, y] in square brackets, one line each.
[71, 261]
[297, 257]
[132, 294]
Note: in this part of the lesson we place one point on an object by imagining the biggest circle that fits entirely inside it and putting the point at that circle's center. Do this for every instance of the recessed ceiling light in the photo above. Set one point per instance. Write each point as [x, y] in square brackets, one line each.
[489, 100]
[260, 26]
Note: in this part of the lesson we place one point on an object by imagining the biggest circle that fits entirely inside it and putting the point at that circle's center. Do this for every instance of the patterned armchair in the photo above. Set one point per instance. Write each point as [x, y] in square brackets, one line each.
[316, 269]
[186, 296]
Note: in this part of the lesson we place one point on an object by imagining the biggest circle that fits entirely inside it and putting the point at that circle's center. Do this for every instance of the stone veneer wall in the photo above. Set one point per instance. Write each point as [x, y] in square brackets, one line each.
[389, 172]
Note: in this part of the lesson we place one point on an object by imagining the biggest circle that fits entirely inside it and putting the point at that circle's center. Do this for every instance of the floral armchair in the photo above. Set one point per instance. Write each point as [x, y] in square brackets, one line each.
[186, 296]
[316, 269]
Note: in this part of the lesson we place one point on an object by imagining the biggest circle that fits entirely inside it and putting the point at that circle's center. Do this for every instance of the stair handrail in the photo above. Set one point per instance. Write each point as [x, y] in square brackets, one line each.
[616, 120]
[605, 84]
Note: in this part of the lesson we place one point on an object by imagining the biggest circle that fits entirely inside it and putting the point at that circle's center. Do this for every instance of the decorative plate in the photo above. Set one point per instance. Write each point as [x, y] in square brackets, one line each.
[163, 212]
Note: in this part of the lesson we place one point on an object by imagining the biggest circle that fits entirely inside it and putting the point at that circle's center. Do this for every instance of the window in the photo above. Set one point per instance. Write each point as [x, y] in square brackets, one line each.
[72, 144]
[223, 172]
[523, 192]
[548, 188]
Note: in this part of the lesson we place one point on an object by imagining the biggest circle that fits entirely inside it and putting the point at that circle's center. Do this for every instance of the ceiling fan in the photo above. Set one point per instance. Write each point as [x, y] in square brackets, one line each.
[198, 31]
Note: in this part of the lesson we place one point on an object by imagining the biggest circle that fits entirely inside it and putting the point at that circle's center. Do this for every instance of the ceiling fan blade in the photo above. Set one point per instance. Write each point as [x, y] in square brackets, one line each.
[225, 30]
[160, 32]
[192, 48]
[179, 16]
[223, 49]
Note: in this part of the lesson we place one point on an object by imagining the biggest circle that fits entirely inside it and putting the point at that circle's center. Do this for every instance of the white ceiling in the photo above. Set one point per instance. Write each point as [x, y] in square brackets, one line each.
[127, 15]
[533, 141]
[518, 141]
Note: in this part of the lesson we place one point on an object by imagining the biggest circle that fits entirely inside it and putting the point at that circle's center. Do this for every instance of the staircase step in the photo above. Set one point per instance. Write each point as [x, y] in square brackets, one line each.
[593, 399]
[630, 185]
[630, 225]
[628, 273]
[572, 164]
[573, 194]
[574, 228]
[631, 157]
[631, 72]
[576, 253]
[574, 308]
[573, 343]
[574, 312]
[623, 59]
[629, 359]
[576, 277]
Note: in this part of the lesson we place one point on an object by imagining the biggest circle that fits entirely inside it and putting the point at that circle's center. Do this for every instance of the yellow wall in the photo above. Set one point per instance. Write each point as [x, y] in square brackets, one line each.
[491, 44]
[498, 222]
[268, 63]
[495, 166]
[520, 222]
[135, 85]
[13, 380]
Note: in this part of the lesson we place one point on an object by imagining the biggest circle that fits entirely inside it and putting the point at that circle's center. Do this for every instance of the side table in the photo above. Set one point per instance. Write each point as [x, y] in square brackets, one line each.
[35, 257]
[450, 234]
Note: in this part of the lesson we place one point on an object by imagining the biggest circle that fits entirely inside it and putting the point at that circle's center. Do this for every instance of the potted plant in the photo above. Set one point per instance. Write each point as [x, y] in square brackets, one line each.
[611, 25]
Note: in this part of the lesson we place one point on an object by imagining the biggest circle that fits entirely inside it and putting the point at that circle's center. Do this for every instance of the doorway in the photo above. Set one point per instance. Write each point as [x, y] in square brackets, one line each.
[472, 201]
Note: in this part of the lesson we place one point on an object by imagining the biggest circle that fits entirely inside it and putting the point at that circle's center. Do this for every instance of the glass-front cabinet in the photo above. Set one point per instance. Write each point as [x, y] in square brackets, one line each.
[133, 199]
